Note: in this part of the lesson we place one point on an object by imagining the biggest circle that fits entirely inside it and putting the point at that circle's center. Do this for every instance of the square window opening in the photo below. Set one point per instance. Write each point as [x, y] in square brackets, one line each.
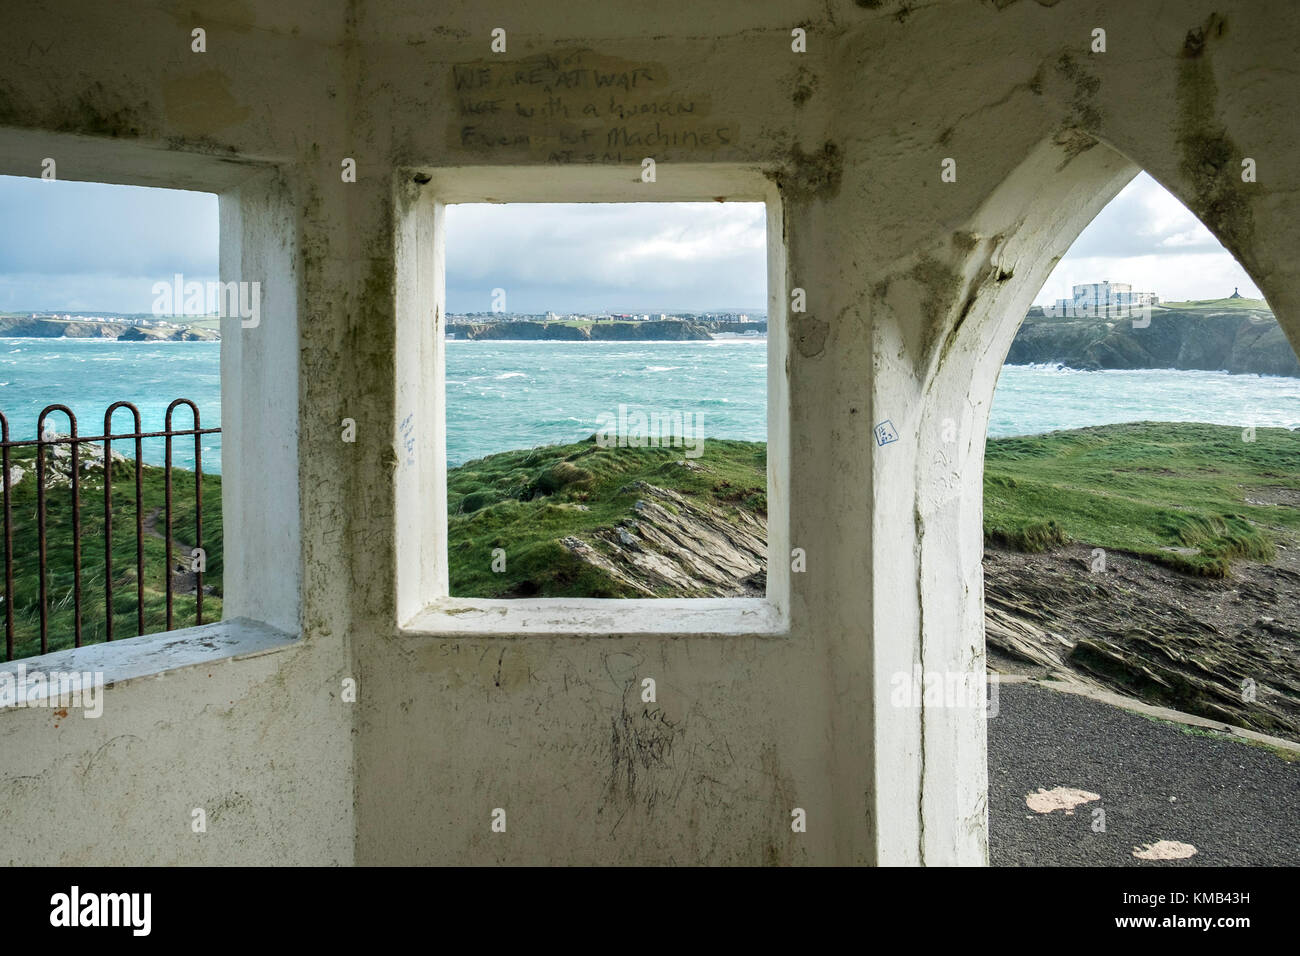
[110, 407]
[605, 382]
[606, 395]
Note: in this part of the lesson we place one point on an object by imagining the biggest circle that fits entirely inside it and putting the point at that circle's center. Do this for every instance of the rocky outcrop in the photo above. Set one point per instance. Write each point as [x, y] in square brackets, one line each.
[152, 334]
[57, 328]
[1237, 340]
[676, 546]
[669, 330]
[521, 331]
[1225, 650]
[736, 327]
[58, 464]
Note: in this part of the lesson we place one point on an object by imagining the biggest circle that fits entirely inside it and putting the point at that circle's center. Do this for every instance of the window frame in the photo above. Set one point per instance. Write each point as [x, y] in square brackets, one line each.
[424, 604]
[262, 521]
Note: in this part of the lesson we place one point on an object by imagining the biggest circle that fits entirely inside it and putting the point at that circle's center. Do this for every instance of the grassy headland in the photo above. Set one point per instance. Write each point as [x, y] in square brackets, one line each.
[1191, 497]
[1187, 503]
[528, 502]
[1183, 495]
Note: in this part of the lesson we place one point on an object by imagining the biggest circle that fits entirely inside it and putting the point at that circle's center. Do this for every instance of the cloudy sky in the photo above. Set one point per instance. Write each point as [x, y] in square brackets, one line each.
[1147, 238]
[621, 257]
[86, 247]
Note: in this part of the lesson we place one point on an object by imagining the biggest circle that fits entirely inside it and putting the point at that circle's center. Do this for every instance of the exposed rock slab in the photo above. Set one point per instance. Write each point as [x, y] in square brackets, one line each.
[673, 545]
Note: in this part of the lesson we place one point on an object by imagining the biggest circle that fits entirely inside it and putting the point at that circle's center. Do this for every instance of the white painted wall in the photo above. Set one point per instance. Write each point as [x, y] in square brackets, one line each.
[914, 288]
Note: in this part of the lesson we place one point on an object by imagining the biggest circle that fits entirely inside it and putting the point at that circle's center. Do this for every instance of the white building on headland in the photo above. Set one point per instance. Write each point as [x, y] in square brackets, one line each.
[1103, 298]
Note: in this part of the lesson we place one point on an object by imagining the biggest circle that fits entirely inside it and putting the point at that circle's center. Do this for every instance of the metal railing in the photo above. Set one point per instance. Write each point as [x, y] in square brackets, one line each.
[42, 471]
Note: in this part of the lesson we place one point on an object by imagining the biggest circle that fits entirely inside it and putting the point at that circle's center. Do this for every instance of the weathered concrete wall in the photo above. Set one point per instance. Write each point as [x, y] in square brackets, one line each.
[261, 745]
[913, 285]
[256, 744]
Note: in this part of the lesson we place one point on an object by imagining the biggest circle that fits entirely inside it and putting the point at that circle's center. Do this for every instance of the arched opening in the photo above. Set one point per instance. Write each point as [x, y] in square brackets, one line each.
[1139, 523]
[1018, 238]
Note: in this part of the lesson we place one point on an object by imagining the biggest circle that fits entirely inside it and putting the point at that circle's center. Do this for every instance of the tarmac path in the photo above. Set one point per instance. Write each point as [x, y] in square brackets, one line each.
[1237, 804]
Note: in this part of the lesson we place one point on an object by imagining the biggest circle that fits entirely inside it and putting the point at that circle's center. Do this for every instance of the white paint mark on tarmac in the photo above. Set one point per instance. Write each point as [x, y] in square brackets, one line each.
[1164, 850]
[1059, 798]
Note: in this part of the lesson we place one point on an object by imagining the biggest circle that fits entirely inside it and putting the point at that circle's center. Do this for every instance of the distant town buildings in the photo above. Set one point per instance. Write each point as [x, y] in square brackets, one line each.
[141, 321]
[1103, 298]
[733, 318]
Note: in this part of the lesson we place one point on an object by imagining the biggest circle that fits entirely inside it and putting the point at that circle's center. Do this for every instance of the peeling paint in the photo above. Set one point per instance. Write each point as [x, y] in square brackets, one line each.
[810, 336]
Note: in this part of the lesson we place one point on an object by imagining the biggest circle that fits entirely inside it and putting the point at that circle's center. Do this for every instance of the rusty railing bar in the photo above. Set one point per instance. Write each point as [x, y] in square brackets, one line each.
[139, 533]
[108, 521]
[167, 520]
[198, 479]
[40, 524]
[198, 519]
[83, 439]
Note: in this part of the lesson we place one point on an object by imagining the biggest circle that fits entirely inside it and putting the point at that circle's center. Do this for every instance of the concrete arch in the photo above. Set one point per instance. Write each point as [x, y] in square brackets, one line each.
[993, 270]
[974, 289]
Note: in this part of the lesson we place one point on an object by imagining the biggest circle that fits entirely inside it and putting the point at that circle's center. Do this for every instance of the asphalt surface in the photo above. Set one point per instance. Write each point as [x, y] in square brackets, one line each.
[1238, 804]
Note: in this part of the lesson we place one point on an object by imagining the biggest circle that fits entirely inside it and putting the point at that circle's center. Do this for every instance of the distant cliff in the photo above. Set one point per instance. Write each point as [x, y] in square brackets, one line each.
[138, 333]
[1233, 335]
[670, 330]
[40, 328]
[57, 328]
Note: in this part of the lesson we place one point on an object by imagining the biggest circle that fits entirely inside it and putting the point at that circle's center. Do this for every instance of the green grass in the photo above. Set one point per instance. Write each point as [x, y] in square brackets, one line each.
[527, 501]
[1144, 488]
[59, 554]
[1290, 756]
[212, 324]
[1148, 488]
[1174, 493]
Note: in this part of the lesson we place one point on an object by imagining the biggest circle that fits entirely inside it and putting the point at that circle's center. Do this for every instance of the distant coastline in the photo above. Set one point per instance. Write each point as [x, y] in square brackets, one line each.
[44, 327]
[664, 330]
[1234, 335]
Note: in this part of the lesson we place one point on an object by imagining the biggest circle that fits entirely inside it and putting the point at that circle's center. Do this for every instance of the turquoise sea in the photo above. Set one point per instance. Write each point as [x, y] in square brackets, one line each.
[504, 395]
[88, 375]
